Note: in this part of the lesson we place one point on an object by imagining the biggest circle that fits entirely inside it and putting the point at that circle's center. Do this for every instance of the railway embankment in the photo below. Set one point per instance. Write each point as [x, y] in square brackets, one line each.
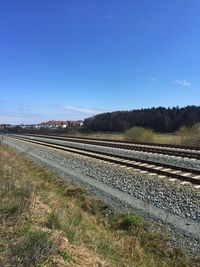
[170, 204]
[46, 221]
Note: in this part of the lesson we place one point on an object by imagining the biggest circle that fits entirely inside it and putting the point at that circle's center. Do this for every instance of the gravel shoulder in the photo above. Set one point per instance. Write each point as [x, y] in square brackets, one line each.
[126, 190]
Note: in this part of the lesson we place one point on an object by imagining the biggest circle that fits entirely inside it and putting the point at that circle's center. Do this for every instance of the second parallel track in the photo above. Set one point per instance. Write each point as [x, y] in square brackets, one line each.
[176, 151]
[172, 171]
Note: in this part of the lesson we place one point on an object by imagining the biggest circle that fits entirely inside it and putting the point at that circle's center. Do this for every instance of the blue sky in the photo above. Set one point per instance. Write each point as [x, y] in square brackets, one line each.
[71, 59]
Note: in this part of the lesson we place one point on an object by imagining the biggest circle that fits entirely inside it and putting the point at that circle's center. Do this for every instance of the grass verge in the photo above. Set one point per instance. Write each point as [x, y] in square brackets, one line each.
[46, 222]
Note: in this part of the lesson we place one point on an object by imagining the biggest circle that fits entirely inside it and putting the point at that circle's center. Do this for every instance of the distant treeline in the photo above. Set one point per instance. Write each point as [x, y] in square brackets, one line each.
[159, 119]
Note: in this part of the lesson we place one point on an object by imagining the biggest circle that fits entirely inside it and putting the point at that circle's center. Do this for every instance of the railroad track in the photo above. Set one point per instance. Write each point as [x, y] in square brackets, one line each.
[175, 150]
[174, 172]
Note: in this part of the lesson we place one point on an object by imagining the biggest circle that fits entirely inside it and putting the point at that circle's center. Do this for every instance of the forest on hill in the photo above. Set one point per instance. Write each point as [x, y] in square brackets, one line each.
[159, 119]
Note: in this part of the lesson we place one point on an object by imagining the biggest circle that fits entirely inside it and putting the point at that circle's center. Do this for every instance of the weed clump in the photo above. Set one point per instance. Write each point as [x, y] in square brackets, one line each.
[93, 205]
[53, 221]
[125, 222]
[74, 191]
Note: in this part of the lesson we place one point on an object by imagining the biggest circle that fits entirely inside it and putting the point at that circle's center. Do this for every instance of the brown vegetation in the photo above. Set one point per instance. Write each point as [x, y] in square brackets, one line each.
[190, 136]
[139, 134]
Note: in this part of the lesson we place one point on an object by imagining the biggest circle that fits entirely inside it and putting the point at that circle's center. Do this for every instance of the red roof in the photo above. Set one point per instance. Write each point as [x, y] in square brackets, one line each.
[60, 122]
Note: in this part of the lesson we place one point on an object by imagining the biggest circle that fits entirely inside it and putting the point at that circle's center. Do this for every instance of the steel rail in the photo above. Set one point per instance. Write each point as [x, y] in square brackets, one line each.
[129, 146]
[180, 173]
[120, 141]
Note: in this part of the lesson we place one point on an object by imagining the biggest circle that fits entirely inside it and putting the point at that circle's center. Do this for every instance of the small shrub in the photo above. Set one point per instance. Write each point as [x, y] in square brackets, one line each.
[139, 134]
[183, 130]
[35, 248]
[125, 221]
[130, 220]
[190, 136]
[53, 221]
[93, 205]
[196, 128]
[74, 191]
[196, 134]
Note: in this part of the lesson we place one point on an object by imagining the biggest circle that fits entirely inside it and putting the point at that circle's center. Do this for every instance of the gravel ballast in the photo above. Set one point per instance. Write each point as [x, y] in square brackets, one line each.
[149, 196]
[176, 161]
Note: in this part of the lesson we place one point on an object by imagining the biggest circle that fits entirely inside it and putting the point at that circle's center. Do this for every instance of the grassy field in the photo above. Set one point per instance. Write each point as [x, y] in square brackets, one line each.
[103, 135]
[159, 138]
[168, 139]
[46, 222]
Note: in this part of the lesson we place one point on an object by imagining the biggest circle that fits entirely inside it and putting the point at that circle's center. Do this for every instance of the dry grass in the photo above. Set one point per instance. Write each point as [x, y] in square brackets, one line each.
[100, 135]
[139, 134]
[171, 139]
[177, 138]
[162, 138]
[190, 136]
[59, 224]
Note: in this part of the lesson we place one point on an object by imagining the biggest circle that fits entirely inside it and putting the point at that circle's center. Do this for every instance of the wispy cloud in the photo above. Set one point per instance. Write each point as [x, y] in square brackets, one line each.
[17, 113]
[182, 82]
[92, 111]
[110, 17]
[150, 78]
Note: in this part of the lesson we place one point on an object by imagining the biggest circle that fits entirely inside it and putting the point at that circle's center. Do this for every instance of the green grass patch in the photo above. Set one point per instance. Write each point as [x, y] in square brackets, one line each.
[65, 255]
[108, 251]
[125, 222]
[24, 228]
[2, 246]
[70, 235]
[53, 221]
